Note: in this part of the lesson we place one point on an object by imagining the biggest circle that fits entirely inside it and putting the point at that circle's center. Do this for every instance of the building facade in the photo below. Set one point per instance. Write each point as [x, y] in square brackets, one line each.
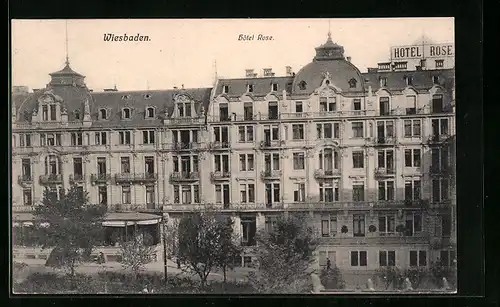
[365, 155]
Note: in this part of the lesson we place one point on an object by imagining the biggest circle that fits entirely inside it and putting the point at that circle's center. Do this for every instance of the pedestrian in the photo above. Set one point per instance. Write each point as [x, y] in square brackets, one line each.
[178, 263]
[328, 264]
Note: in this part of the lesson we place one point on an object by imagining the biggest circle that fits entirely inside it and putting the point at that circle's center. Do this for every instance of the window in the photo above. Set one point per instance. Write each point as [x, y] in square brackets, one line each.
[358, 226]
[184, 109]
[25, 140]
[221, 135]
[412, 189]
[445, 225]
[357, 130]
[271, 133]
[440, 126]
[386, 224]
[101, 138]
[439, 63]
[299, 192]
[274, 87]
[246, 162]
[150, 112]
[358, 191]
[412, 157]
[148, 137]
[435, 79]
[248, 111]
[27, 198]
[384, 106]
[409, 80]
[53, 165]
[272, 193]
[225, 89]
[328, 225]
[273, 110]
[440, 188]
[411, 105]
[124, 137]
[327, 104]
[149, 165]
[325, 131]
[412, 128]
[103, 195]
[382, 81]
[298, 107]
[76, 139]
[126, 199]
[437, 104]
[385, 159]
[271, 162]
[186, 196]
[125, 113]
[386, 190]
[328, 191]
[222, 194]
[328, 159]
[125, 165]
[352, 83]
[413, 224]
[358, 159]
[247, 193]
[52, 111]
[248, 230]
[103, 114]
[77, 168]
[387, 258]
[50, 139]
[101, 166]
[45, 113]
[356, 104]
[221, 163]
[150, 194]
[447, 258]
[26, 169]
[271, 222]
[358, 258]
[245, 134]
[250, 88]
[385, 129]
[298, 160]
[418, 258]
[224, 112]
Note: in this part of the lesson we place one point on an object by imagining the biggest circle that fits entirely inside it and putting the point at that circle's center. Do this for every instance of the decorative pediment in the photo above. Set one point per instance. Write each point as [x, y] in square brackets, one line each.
[327, 90]
[182, 98]
[272, 97]
[383, 92]
[49, 97]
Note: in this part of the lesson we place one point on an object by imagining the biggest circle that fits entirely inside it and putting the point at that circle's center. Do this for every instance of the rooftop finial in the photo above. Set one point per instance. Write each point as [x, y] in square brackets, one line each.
[329, 31]
[67, 57]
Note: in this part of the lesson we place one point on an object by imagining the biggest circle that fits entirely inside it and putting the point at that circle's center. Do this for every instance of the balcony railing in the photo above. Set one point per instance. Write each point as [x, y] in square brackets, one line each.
[186, 120]
[152, 207]
[386, 140]
[219, 145]
[186, 146]
[184, 176]
[375, 238]
[324, 174]
[100, 178]
[439, 138]
[25, 179]
[270, 174]
[385, 171]
[136, 177]
[358, 205]
[244, 207]
[220, 175]
[274, 144]
[76, 178]
[51, 179]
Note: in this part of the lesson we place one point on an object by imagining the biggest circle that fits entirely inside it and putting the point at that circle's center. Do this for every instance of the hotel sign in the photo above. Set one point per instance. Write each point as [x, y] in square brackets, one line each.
[422, 51]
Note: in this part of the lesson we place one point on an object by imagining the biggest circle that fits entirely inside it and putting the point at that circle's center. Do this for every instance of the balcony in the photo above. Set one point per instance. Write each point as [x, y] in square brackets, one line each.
[358, 205]
[24, 179]
[100, 178]
[375, 238]
[75, 178]
[385, 172]
[184, 176]
[153, 207]
[219, 145]
[180, 146]
[217, 176]
[275, 144]
[439, 138]
[386, 140]
[326, 174]
[135, 178]
[186, 121]
[232, 207]
[51, 179]
[271, 175]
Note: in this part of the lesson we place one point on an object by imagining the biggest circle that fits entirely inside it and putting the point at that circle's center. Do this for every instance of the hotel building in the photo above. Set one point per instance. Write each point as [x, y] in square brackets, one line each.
[368, 157]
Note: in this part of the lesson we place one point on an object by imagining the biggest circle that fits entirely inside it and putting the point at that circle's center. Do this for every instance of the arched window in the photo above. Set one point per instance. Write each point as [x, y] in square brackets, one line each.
[150, 112]
[302, 85]
[103, 114]
[126, 113]
[53, 165]
[352, 83]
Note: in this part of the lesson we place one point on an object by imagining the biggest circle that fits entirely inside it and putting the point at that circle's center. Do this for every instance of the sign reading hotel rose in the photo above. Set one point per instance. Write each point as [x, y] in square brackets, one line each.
[422, 51]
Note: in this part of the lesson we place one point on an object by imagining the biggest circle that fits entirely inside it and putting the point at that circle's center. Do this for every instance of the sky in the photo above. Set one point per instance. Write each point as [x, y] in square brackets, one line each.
[184, 51]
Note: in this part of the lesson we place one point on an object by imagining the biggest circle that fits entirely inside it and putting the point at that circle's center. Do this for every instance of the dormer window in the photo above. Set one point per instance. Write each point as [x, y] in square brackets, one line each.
[302, 85]
[48, 112]
[274, 87]
[103, 114]
[250, 88]
[147, 96]
[382, 81]
[125, 113]
[184, 109]
[225, 89]
[77, 114]
[352, 83]
[150, 112]
[409, 80]
[435, 79]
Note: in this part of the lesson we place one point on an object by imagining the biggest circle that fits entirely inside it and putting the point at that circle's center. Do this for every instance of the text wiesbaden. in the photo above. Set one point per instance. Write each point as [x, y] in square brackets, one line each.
[108, 37]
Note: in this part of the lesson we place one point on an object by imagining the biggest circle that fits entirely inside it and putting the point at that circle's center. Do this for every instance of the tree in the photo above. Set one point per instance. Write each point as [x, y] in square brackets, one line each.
[439, 271]
[74, 226]
[136, 253]
[390, 275]
[229, 248]
[285, 257]
[201, 237]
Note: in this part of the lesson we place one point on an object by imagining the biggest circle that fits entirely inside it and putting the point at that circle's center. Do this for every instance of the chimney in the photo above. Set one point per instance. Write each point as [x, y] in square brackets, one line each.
[182, 86]
[289, 71]
[372, 70]
[175, 87]
[249, 73]
[348, 59]
[268, 72]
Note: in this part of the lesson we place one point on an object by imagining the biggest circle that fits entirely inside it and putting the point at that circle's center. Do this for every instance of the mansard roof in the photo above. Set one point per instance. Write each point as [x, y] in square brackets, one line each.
[261, 86]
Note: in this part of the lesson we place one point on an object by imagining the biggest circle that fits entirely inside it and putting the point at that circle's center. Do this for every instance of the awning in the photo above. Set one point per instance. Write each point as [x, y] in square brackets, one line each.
[120, 219]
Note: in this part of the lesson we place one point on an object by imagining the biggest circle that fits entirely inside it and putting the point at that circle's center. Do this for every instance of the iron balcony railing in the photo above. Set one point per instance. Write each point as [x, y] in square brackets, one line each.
[219, 145]
[329, 173]
[25, 179]
[136, 177]
[220, 175]
[385, 171]
[76, 178]
[51, 179]
[184, 176]
[151, 207]
[270, 174]
[186, 146]
[271, 144]
[386, 140]
[100, 178]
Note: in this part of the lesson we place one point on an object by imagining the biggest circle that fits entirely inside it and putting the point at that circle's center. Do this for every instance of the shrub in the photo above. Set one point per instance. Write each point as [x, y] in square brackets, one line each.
[416, 275]
[332, 279]
[390, 275]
